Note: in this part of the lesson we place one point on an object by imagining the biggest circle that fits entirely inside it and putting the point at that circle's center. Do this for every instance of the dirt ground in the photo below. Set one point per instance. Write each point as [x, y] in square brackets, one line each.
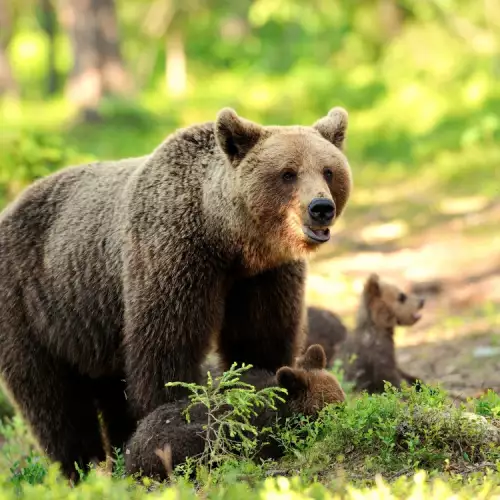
[454, 261]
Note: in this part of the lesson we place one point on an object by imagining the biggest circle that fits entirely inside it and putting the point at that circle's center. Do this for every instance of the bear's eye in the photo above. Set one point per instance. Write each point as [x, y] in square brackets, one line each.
[328, 173]
[288, 176]
[402, 298]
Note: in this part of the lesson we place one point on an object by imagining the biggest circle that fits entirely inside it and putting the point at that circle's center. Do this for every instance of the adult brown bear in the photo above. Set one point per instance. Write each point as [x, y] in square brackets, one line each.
[131, 270]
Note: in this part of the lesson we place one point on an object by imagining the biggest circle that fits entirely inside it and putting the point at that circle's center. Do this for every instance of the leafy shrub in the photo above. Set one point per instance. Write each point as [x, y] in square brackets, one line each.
[230, 404]
[30, 156]
[394, 434]
[391, 432]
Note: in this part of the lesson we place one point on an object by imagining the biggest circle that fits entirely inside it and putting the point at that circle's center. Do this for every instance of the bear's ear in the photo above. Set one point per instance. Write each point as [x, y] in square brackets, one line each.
[291, 380]
[235, 136]
[313, 359]
[333, 127]
[372, 287]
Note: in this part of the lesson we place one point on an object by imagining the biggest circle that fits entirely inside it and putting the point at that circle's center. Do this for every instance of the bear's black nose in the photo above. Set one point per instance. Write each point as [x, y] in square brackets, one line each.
[322, 210]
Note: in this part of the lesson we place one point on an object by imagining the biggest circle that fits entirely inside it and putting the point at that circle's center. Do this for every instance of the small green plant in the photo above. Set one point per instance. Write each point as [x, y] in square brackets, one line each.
[18, 442]
[118, 463]
[339, 372]
[230, 405]
[488, 405]
[31, 469]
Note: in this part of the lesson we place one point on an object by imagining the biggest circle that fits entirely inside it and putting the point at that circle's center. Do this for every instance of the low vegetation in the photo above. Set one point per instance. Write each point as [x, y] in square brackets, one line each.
[400, 443]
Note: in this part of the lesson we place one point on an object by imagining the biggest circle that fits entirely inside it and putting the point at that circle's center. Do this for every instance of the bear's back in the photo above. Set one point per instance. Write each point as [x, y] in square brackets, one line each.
[58, 245]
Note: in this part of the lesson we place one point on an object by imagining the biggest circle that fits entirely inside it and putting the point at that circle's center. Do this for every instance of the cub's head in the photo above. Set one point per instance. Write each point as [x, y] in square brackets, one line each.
[388, 306]
[293, 182]
[310, 387]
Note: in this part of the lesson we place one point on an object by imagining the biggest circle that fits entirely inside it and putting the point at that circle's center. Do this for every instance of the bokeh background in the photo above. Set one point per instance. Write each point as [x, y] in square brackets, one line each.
[102, 79]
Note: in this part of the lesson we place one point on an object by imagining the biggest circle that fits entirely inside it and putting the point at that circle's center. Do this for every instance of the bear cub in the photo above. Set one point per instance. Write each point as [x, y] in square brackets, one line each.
[368, 354]
[327, 329]
[310, 388]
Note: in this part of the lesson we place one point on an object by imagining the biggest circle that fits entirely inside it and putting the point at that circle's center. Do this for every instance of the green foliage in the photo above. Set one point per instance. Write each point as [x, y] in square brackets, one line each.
[488, 405]
[230, 405]
[30, 156]
[18, 443]
[416, 487]
[6, 409]
[392, 432]
[30, 470]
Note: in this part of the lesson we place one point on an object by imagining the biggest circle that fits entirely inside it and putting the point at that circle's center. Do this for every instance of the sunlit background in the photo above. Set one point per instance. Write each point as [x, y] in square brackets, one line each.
[87, 79]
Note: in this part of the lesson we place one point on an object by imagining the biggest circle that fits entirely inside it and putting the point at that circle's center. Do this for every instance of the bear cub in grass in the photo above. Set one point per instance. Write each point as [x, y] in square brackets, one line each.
[368, 354]
[131, 270]
[310, 388]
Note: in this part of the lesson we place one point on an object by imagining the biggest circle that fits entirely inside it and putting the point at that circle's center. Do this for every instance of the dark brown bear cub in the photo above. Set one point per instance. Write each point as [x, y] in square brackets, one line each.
[310, 388]
[368, 354]
[327, 329]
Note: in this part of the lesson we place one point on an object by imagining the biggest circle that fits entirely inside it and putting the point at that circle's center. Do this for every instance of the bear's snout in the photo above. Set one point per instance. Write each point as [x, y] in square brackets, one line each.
[321, 211]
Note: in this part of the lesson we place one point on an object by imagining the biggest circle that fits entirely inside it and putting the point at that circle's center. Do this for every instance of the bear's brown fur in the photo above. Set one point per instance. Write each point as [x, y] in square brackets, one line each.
[327, 329]
[121, 275]
[310, 388]
[368, 354]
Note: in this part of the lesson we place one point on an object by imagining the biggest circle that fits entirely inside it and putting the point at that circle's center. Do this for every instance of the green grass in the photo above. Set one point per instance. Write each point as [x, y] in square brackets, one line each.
[418, 442]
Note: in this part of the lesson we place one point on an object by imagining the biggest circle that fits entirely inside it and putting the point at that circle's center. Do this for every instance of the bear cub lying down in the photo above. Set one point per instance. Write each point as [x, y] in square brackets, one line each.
[310, 388]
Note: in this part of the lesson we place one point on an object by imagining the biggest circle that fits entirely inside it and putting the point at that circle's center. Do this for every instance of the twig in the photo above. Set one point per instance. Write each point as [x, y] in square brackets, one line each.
[165, 456]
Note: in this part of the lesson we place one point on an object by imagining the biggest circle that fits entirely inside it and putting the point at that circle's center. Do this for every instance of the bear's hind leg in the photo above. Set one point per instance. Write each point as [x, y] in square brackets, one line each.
[53, 398]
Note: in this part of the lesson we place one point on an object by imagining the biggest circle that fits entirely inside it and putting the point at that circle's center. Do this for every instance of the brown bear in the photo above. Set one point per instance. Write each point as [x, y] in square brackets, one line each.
[310, 388]
[327, 329]
[118, 277]
[368, 354]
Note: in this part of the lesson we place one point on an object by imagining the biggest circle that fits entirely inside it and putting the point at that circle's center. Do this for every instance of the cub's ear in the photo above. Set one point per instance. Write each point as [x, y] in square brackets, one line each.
[372, 287]
[291, 380]
[313, 359]
[333, 127]
[235, 136]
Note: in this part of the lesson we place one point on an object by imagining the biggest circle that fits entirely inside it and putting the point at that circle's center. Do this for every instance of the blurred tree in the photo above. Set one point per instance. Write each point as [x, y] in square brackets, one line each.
[8, 84]
[168, 20]
[98, 67]
[391, 16]
[47, 19]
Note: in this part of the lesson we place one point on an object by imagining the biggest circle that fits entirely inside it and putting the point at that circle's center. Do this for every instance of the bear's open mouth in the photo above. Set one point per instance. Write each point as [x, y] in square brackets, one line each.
[319, 235]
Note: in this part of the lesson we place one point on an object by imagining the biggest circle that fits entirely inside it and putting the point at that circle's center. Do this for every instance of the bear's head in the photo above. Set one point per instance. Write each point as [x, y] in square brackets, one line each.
[310, 387]
[292, 182]
[386, 306]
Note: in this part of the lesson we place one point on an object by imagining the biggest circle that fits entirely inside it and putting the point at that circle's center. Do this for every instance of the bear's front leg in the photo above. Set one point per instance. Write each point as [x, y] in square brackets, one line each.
[264, 320]
[173, 306]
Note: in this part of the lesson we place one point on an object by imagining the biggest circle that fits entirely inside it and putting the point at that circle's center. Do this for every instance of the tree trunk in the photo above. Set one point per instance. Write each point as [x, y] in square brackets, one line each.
[98, 66]
[176, 73]
[8, 84]
[115, 78]
[48, 22]
[391, 18]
